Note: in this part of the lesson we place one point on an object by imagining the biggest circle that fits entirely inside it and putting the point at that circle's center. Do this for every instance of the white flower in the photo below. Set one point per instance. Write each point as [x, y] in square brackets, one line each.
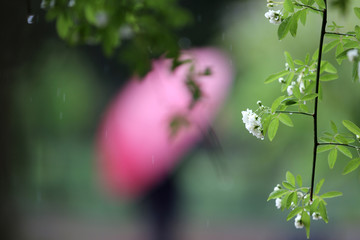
[298, 222]
[352, 54]
[274, 16]
[302, 87]
[269, 5]
[300, 194]
[30, 19]
[277, 187]
[316, 216]
[253, 123]
[281, 80]
[357, 136]
[101, 19]
[290, 90]
[278, 203]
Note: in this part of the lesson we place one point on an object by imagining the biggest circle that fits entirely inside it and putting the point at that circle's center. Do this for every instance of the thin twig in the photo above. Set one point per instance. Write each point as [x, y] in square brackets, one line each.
[339, 144]
[306, 6]
[291, 112]
[316, 143]
[342, 34]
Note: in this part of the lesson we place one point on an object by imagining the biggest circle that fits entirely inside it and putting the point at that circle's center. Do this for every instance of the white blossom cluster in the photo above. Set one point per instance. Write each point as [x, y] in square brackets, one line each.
[274, 16]
[353, 55]
[298, 222]
[253, 123]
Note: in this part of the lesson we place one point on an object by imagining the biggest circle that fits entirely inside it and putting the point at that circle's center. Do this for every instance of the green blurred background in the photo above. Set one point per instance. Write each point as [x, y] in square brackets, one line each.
[58, 93]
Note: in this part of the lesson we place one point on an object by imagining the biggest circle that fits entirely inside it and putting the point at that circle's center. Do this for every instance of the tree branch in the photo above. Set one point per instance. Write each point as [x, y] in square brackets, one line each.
[316, 143]
[291, 112]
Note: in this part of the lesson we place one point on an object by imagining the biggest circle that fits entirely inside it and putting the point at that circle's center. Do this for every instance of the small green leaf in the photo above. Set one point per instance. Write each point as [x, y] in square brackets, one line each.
[322, 211]
[344, 151]
[333, 127]
[331, 194]
[277, 103]
[273, 127]
[285, 119]
[309, 97]
[351, 166]
[357, 32]
[276, 76]
[330, 45]
[293, 24]
[284, 28]
[299, 180]
[318, 186]
[357, 12]
[293, 213]
[288, 185]
[290, 200]
[305, 218]
[277, 194]
[330, 68]
[289, 6]
[290, 178]
[302, 16]
[328, 77]
[332, 157]
[320, 3]
[324, 148]
[352, 127]
[289, 60]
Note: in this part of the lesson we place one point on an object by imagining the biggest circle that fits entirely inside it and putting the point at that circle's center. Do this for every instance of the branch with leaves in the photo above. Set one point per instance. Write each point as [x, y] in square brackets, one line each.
[301, 81]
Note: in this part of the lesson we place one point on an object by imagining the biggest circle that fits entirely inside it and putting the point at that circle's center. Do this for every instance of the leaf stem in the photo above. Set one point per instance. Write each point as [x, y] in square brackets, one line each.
[316, 143]
[339, 144]
[291, 112]
[306, 6]
[342, 34]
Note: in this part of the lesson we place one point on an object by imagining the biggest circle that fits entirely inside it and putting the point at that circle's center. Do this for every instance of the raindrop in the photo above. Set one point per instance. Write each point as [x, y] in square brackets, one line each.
[199, 18]
[290, 113]
[64, 97]
[153, 160]
[149, 49]
[106, 133]
[231, 47]
[30, 99]
[30, 19]
[58, 92]
[207, 223]
[61, 115]
[184, 43]
[71, 3]
[223, 36]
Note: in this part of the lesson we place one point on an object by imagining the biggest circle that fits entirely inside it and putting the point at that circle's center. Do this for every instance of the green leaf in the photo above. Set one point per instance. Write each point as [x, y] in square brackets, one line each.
[331, 194]
[276, 76]
[290, 199]
[332, 157]
[351, 44]
[355, 71]
[305, 218]
[330, 46]
[309, 97]
[299, 180]
[333, 127]
[277, 194]
[284, 28]
[357, 32]
[351, 127]
[273, 127]
[302, 16]
[324, 148]
[277, 103]
[289, 6]
[288, 185]
[62, 26]
[293, 24]
[318, 186]
[351, 166]
[293, 213]
[328, 77]
[357, 12]
[345, 151]
[322, 211]
[339, 50]
[290, 178]
[330, 68]
[289, 60]
[285, 119]
[320, 3]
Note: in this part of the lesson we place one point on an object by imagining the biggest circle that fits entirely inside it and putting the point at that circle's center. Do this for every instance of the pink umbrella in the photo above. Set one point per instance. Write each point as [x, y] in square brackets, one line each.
[154, 121]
